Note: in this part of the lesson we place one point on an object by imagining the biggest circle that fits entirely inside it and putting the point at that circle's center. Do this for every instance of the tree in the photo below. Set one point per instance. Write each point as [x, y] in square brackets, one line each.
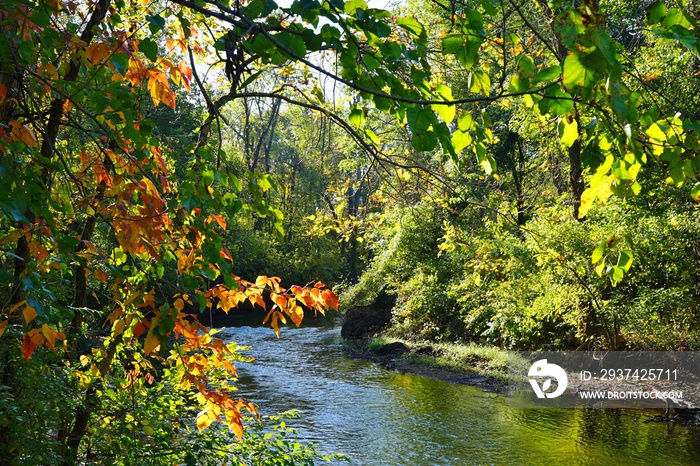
[94, 203]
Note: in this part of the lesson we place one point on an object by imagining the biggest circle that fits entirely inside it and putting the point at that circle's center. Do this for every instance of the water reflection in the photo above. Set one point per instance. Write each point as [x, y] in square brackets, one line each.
[380, 417]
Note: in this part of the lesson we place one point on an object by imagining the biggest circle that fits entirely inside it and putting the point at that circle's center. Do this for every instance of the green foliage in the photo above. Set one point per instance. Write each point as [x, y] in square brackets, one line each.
[539, 287]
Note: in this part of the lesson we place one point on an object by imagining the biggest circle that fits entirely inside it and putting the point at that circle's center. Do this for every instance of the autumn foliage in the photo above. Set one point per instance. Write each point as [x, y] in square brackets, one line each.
[91, 204]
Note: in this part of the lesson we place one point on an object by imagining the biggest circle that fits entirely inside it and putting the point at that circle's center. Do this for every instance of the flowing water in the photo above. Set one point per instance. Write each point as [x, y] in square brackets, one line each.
[380, 417]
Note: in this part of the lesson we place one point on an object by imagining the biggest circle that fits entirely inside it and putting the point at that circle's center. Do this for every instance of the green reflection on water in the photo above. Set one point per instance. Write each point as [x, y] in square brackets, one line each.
[380, 417]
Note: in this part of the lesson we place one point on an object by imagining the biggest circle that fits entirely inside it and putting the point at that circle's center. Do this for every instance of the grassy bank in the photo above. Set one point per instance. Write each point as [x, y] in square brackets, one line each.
[461, 363]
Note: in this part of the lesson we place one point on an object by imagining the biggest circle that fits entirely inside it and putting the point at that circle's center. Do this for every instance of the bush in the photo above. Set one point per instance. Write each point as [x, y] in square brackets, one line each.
[478, 279]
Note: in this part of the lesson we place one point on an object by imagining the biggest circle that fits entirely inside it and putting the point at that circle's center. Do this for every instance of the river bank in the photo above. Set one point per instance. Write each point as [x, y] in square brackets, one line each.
[492, 369]
[463, 364]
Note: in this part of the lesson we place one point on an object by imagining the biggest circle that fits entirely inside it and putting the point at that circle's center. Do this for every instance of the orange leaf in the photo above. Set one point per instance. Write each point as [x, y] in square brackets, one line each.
[138, 329]
[38, 251]
[260, 302]
[24, 134]
[2, 327]
[223, 252]
[28, 347]
[330, 299]
[152, 342]
[220, 220]
[101, 275]
[29, 314]
[3, 93]
[281, 301]
[179, 304]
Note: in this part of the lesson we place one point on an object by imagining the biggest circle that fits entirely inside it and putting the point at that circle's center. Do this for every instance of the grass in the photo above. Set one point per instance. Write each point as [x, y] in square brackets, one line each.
[455, 357]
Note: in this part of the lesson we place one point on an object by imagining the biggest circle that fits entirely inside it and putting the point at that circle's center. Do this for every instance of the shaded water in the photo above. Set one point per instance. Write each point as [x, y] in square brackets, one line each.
[381, 417]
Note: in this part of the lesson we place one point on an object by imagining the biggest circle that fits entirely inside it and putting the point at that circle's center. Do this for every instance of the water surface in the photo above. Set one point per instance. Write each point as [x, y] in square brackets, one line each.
[381, 417]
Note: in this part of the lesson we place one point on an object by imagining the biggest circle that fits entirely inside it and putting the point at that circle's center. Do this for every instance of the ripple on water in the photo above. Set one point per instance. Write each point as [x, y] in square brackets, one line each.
[380, 417]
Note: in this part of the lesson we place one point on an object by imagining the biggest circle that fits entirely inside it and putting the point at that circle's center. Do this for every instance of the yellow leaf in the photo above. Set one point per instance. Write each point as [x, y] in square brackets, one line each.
[205, 418]
[297, 315]
[2, 327]
[15, 306]
[29, 314]
[119, 327]
[50, 335]
[152, 342]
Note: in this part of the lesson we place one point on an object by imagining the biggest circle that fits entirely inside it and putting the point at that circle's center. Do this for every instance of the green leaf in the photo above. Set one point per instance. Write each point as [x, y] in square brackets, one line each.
[569, 25]
[254, 9]
[424, 141]
[479, 82]
[413, 26]
[577, 78]
[312, 40]
[444, 91]
[461, 140]
[357, 117]
[695, 192]
[420, 119]
[155, 23]
[655, 132]
[294, 43]
[120, 62]
[568, 131]
[598, 253]
[622, 105]
[370, 62]
[373, 137]
[489, 8]
[465, 122]
[556, 102]
[487, 162]
[446, 112]
[607, 46]
[464, 47]
[616, 275]
[547, 74]
[452, 43]
[518, 83]
[599, 268]
[149, 48]
[655, 12]
[625, 260]
[526, 66]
